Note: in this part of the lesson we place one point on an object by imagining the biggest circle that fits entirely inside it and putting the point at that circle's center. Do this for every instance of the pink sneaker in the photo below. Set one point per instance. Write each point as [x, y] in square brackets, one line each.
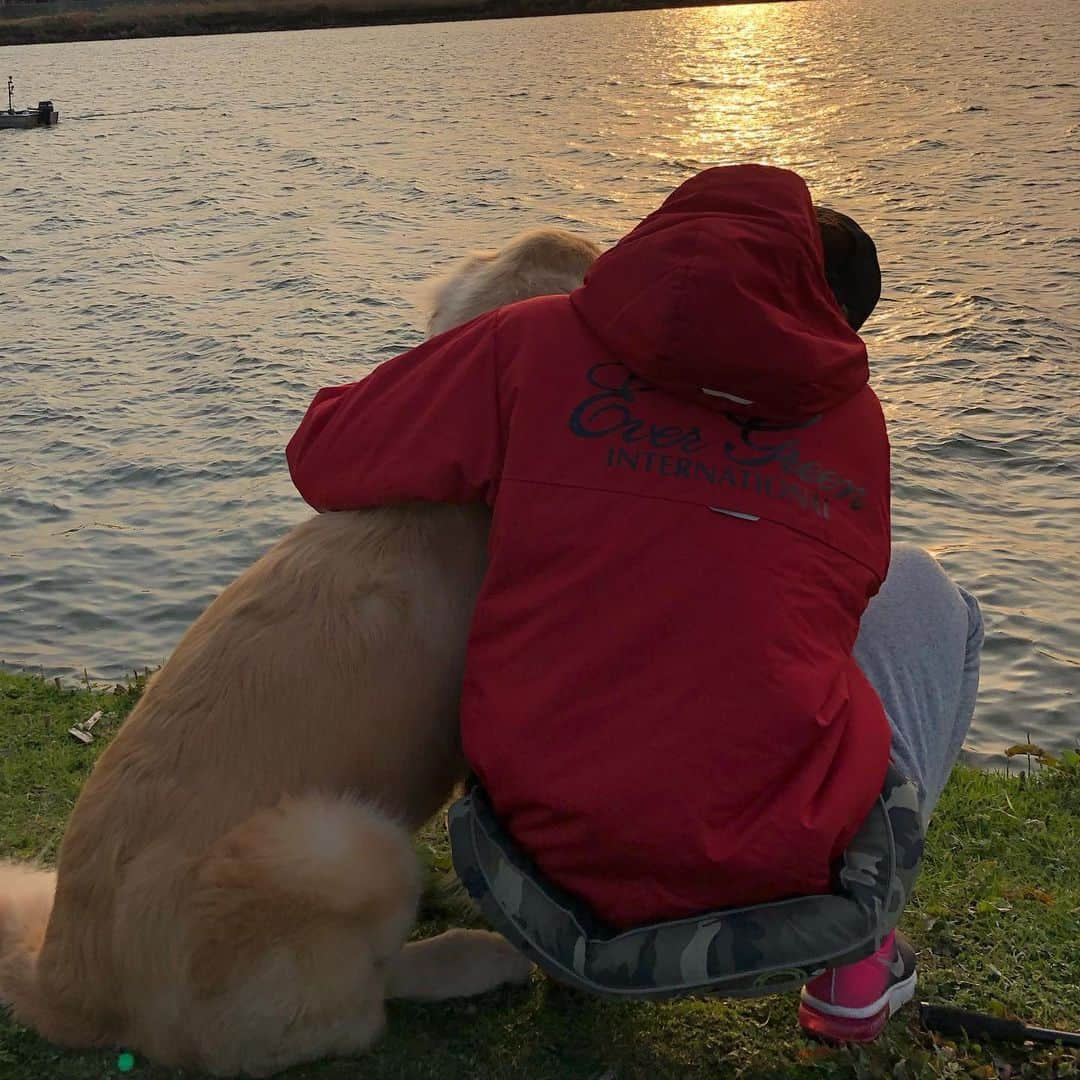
[853, 1003]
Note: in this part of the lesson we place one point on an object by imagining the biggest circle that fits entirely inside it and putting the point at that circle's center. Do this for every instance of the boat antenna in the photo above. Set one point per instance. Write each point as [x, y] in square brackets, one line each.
[10, 91]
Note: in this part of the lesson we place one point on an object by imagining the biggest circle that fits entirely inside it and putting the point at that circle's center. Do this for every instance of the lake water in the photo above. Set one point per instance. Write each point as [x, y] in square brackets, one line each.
[221, 225]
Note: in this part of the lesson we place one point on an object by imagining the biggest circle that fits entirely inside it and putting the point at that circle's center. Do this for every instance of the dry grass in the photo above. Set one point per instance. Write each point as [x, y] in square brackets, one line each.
[183, 17]
[189, 17]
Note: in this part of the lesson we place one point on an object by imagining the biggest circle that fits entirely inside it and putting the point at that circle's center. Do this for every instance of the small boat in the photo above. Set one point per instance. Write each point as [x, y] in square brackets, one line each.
[43, 116]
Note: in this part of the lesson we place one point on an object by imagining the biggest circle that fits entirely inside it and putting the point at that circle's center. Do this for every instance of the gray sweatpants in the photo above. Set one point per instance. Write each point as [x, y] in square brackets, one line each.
[918, 644]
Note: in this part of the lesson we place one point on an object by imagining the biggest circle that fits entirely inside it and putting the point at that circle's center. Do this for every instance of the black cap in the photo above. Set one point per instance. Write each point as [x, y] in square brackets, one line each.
[851, 265]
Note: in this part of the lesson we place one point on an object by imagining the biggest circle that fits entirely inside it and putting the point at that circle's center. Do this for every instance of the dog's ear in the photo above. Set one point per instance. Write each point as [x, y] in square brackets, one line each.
[443, 300]
[851, 265]
[539, 262]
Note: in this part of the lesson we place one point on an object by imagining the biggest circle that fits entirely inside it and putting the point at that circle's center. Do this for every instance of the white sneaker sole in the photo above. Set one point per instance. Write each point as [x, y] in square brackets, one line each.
[898, 995]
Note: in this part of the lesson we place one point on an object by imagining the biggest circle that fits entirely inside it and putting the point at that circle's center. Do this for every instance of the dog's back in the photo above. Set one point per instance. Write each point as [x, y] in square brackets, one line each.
[320, 670]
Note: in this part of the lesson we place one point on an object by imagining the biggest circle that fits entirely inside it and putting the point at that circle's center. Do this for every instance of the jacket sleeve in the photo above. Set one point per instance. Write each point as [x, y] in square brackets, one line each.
[425, 426]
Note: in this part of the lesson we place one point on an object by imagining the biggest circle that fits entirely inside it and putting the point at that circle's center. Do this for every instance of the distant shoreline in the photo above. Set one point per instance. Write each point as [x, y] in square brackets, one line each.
[185, 18]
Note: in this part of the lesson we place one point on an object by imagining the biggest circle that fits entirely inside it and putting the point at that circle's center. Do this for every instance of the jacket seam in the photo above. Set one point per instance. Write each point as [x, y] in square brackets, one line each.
[506, 478]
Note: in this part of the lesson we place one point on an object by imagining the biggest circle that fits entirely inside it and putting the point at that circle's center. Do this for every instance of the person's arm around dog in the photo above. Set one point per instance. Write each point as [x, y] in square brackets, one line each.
[435, 435]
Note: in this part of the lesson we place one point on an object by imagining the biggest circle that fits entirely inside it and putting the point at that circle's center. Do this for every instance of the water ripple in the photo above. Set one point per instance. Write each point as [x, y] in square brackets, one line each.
[238, 220]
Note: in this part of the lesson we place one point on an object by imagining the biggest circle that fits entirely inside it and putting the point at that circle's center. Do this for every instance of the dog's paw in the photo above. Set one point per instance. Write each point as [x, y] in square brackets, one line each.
[494, 960]
[515, 966]
[457, 963]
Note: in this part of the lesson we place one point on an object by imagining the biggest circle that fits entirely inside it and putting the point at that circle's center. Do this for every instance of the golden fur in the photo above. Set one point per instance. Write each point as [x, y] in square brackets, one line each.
[536, 263]
[237, 879]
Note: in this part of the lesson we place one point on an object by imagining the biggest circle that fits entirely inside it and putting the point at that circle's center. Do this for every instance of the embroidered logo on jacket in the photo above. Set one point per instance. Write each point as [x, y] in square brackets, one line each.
[775, 469]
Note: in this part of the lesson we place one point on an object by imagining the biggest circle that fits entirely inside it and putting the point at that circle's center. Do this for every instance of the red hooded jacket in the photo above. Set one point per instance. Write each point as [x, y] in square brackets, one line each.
[689, 479]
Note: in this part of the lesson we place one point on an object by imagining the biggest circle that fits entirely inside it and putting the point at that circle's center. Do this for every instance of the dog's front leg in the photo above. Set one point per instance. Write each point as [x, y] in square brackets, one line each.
[459, 963]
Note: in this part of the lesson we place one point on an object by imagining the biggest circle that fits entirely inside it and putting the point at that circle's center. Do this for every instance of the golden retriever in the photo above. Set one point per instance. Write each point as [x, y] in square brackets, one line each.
[237, 879]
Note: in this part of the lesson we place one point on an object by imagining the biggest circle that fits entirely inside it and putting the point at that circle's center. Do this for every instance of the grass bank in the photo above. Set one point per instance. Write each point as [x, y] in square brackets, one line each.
[995, 920]
[177, 18]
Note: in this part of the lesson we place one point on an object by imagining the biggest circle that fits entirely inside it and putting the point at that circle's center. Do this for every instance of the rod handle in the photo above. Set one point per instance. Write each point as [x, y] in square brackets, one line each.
[949, 1020]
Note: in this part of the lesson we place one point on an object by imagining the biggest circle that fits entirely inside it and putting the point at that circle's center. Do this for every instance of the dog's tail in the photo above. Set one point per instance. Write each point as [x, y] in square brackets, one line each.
[26, 900]
[337, 860]
[294, 916]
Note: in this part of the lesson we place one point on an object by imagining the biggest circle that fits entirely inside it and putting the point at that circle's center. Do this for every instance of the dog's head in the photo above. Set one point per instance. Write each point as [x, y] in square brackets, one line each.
[851, 265]
[536, 263]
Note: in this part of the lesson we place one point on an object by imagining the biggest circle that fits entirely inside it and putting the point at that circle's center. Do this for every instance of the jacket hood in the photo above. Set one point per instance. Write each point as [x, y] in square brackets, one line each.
[721, 296]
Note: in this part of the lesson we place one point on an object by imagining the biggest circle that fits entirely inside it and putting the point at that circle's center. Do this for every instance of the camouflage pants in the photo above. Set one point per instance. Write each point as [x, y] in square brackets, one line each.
[919, 644]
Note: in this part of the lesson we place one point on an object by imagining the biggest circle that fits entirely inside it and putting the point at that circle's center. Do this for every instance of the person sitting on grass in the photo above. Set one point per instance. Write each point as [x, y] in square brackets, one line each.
[676, 695]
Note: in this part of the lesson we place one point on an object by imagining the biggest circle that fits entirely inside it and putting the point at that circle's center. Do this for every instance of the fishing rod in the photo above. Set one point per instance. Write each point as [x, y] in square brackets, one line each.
[948, 1020]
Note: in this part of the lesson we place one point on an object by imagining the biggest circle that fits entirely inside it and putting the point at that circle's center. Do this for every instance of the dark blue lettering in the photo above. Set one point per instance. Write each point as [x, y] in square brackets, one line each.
[609, 413]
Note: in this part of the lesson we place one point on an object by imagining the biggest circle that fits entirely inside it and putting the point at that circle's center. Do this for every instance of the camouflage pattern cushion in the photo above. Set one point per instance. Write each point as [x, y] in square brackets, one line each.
[739, 952]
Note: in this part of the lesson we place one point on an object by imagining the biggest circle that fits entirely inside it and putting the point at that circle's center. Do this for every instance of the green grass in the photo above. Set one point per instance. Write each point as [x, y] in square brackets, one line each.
[995, 919]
